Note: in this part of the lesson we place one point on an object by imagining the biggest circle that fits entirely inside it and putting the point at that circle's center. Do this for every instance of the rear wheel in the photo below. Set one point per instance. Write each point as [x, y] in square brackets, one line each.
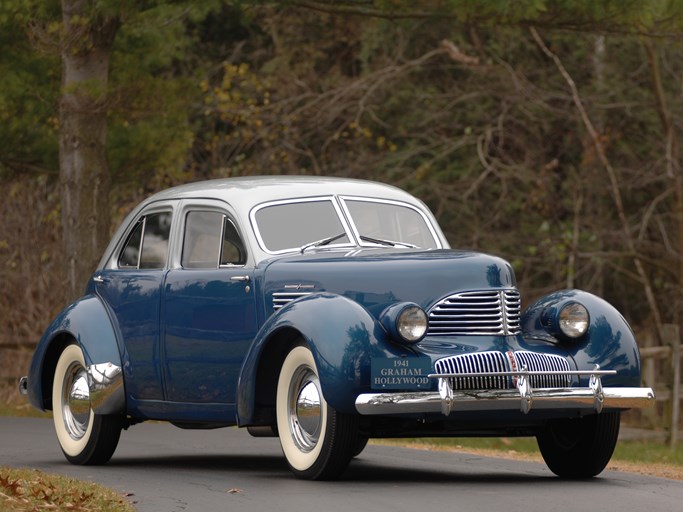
[318, 442]
[580, 448]
[85, 437]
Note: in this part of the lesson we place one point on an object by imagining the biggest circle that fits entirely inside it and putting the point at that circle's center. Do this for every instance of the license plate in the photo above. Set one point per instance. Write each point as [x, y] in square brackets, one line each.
[400, 373]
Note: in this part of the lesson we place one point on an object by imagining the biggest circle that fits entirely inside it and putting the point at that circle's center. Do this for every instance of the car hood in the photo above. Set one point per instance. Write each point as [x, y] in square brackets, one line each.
[377, 277]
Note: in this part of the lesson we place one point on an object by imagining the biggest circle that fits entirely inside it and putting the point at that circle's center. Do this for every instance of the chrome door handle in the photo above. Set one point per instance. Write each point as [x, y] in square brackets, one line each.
[240, 278]
[100, 279]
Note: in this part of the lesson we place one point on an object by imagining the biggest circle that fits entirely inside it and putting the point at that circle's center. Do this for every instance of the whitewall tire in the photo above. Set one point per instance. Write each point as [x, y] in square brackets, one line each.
[317, 441]
[85, 438]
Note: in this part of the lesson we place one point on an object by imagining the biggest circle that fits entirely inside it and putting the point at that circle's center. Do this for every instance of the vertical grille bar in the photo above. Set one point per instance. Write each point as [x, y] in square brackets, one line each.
[480, 362]
[544, 362]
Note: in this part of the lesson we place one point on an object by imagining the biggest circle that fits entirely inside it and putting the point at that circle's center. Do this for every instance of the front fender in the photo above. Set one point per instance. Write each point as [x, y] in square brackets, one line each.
[343, 337]
[609, 342]
[85, 321]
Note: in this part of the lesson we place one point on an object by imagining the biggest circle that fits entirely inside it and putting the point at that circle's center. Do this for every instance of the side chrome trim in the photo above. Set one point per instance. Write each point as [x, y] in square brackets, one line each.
[107, 395]
[281, 299]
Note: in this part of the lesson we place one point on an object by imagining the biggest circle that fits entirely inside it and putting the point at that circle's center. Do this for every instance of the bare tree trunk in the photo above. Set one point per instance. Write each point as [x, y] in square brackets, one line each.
[84, 172]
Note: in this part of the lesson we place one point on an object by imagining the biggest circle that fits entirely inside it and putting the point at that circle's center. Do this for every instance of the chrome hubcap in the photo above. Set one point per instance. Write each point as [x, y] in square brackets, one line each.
[305, 409]
[76, 401]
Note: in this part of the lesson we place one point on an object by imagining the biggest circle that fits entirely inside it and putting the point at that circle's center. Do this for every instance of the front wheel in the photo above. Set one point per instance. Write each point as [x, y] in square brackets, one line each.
[85, 437]
[582, 447]
[318, 442]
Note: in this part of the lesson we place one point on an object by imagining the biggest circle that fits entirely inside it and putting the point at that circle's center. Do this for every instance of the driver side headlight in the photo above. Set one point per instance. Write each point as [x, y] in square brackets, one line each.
[574, 320]
[568, 320]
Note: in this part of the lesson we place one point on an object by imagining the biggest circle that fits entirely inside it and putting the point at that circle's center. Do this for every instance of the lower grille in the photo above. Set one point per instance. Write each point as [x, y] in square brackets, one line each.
[496, 362]
[543, 363]
[480, 362]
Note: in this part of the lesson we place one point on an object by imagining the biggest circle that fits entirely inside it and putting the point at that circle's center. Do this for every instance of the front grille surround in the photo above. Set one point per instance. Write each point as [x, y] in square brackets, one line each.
[480, 312]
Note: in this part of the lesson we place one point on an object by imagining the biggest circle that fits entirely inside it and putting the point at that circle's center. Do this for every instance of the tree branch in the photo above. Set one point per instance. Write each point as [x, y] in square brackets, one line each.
[612, 175]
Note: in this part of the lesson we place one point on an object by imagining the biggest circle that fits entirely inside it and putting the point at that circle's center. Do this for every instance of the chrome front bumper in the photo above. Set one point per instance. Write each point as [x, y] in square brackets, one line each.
[523, 398]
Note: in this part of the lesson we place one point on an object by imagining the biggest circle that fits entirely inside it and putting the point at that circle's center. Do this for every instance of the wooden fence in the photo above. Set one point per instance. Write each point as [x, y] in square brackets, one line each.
[662, 372]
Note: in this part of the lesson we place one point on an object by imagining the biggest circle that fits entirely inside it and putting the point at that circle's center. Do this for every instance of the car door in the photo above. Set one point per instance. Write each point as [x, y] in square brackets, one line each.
[208, 312]
[132, 291]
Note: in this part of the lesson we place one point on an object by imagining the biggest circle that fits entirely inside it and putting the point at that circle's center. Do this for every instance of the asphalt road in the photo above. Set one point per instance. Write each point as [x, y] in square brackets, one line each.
[168, 469]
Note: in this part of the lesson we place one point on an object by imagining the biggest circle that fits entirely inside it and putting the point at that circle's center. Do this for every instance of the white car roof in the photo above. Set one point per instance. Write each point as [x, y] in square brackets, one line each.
[246, 192]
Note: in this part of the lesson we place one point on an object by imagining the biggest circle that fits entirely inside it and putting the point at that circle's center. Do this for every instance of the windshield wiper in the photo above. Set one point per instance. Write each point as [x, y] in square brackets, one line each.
[322, 242]
[390, 243]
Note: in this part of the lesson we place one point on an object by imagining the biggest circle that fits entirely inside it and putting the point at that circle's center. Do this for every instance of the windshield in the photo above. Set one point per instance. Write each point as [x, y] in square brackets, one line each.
[289, 226]
[393, 223]
[303, 224]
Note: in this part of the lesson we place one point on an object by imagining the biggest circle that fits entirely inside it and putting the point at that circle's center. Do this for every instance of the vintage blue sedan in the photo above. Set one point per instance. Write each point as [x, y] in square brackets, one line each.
[326, 312]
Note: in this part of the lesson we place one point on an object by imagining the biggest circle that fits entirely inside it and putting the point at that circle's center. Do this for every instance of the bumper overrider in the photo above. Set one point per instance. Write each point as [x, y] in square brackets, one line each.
[447, 400]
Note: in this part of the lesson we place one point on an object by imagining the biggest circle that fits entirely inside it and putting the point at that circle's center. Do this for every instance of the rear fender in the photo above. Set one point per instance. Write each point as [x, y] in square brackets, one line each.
[86, 322]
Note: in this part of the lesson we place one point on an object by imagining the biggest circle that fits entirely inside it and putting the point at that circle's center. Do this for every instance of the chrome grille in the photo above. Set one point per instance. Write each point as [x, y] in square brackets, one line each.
[485, 312]
[495, 362]
[479, 362]
[535, 362]
[281, 299]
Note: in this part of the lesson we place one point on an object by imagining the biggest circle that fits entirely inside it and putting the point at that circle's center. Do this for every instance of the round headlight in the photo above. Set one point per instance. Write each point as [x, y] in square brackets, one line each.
[412, 323]
[574, 320]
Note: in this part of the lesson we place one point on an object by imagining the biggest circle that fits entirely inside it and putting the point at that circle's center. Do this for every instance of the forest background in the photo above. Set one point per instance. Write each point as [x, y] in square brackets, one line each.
[544, 131]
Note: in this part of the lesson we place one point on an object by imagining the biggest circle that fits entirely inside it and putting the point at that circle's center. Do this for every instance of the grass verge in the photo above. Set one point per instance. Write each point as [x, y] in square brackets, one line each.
[32, 490]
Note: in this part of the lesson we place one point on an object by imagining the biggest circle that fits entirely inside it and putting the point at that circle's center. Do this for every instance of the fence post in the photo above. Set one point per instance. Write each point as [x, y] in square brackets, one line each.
[649, 377]
[672, 336]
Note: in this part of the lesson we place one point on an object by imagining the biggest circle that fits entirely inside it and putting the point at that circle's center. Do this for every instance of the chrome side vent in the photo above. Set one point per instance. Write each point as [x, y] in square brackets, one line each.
[484, 312]
[479, 362]
[535, 362]
[281, 299]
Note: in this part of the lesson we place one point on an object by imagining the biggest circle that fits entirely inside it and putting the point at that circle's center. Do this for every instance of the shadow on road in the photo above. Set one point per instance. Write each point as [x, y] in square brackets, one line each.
[359, 471]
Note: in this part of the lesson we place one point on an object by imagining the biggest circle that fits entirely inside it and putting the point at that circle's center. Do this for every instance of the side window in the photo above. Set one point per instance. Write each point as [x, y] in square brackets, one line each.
[210, 240]
[202, 242]
[147, 245]
[233, 252]
[155, 240]
[130, 256]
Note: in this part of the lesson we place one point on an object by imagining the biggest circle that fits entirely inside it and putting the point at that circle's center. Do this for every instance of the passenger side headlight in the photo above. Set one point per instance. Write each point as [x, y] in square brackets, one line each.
[406, 322]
